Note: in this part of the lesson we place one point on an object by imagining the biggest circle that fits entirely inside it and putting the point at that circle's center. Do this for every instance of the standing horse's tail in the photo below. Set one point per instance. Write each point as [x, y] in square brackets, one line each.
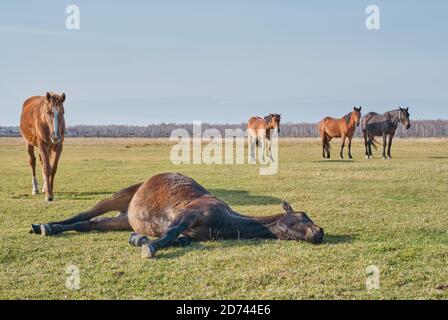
[326, 143]
[325, 138]
[373, 142]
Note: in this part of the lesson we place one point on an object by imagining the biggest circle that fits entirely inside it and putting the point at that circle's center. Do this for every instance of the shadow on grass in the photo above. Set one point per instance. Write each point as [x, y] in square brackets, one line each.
[244, 198]
[438, 157]
[178, 252]
[334, 161]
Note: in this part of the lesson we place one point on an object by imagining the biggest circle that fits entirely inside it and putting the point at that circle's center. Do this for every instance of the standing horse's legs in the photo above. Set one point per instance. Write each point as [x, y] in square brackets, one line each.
[370, 141]
[171, 234]
[32, 162]
[324, 141]
[268, 141]
[120, 222]
[384, 145]
[263, 147]
[350, 147]
[55, 154]
[46, 171]
[366, 143]
[391, 136]
[342, 147]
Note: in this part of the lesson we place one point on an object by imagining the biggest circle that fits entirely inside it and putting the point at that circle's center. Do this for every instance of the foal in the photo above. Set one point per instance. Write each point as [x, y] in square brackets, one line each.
[259, 130]
[42, 125]
[344, 127]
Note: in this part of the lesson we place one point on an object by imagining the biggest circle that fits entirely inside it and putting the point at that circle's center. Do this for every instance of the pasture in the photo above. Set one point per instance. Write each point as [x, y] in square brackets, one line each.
[388, 213]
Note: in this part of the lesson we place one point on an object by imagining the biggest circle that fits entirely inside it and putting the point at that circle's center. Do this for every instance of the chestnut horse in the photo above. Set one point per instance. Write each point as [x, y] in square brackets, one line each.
[42, 125]
[259, 130]
[176, 209]
[344, 127]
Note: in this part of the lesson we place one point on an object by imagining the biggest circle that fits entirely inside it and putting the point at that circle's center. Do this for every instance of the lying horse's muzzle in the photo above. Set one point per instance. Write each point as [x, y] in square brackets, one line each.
[314, 235]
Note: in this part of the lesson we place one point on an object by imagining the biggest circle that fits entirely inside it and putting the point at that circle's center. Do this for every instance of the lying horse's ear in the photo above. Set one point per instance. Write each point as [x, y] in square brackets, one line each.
[48, 96]
[287, 207]
[63, 97]
[407, 109]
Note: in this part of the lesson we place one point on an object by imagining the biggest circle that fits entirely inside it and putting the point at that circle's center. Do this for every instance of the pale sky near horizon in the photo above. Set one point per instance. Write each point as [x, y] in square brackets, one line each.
[141, 62]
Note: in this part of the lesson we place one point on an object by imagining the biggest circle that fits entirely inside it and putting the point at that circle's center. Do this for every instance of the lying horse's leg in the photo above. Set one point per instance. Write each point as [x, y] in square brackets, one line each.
[137, 240]
[185, 221]
[117, 202]
[120, 222]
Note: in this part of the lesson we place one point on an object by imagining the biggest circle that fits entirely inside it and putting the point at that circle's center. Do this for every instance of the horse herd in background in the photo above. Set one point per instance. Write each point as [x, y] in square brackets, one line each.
[174, 207]
[42, 125]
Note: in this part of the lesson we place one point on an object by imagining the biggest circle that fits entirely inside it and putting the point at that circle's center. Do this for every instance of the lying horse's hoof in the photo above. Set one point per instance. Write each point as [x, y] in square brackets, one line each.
[45, 229]
[148, 251]
[137, 240]
[35, 228]
[184, 241]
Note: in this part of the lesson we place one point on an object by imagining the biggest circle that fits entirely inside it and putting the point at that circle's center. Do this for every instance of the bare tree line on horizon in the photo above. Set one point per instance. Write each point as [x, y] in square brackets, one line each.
[419, 128]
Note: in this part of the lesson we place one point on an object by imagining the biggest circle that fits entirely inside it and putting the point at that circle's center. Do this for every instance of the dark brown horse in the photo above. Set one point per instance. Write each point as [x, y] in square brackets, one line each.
[259, 130]
[42, 125]
[344, 127]
[176, 209]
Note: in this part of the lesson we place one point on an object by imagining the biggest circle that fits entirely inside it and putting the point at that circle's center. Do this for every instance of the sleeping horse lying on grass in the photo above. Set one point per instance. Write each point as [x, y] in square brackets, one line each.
[176, 209]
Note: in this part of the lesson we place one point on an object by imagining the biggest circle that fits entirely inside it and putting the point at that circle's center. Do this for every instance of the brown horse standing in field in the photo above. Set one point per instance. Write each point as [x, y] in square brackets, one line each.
[42, 125]
[259, 130]
[176, 209]
[344, 127]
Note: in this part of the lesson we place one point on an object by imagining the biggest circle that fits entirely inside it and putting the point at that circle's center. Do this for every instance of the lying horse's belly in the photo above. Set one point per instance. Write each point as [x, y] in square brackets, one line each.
[158, 202]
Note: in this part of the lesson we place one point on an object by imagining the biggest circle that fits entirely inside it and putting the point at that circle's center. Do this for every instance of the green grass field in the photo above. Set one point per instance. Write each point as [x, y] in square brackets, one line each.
[392, 214]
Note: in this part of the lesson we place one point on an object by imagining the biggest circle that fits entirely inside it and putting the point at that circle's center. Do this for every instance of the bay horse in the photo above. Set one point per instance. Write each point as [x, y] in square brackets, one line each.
[344, 127]
[42, 125]
[259, 130]
[374, 124]
[178, 210]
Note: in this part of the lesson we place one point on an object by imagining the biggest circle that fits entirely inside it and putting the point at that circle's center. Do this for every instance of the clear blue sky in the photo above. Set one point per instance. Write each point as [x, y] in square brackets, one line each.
[140, 62]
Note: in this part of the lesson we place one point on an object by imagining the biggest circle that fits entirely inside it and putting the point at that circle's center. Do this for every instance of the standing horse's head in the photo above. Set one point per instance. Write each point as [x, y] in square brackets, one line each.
[356, 115]
[298, 226]
[404, 117]
[273, 121]
[53, 105]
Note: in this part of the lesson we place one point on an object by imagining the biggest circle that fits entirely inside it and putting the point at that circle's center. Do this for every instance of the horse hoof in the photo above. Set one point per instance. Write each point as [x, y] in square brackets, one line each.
[184, 241]
[35, 192]
[137, 240]
[35, 228]
[148, 251]
[49, 199]
[45, 229]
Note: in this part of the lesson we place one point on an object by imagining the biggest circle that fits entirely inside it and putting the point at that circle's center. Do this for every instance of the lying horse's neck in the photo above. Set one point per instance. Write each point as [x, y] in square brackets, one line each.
[236, 226]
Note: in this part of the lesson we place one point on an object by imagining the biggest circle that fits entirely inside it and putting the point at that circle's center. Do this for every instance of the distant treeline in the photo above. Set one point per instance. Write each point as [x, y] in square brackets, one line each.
[419, 128]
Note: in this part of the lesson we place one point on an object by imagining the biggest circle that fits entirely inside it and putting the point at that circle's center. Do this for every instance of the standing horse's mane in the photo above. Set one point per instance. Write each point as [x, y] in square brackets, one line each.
[347, 117]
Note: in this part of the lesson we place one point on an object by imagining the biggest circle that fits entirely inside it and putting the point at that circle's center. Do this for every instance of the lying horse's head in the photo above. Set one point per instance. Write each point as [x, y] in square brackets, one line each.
[273, 121]
[53, 115]
[298, 226]
[404, 117]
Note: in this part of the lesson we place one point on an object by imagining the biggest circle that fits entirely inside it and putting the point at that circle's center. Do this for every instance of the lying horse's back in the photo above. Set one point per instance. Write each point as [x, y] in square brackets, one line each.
[162, 199]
